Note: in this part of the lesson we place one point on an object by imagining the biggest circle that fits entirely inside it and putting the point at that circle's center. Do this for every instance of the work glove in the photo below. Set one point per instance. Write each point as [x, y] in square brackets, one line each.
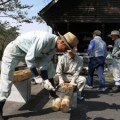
[73, 83]
[61, 82]
[38, 79]
[47, 85]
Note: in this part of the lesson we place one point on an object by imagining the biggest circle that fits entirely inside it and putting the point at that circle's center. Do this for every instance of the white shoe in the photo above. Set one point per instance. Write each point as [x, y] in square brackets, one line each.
[47, 85]
[87, 86]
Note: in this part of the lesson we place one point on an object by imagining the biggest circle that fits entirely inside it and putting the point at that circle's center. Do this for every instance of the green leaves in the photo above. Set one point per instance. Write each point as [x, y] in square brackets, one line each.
[7, 34]
[14, 9]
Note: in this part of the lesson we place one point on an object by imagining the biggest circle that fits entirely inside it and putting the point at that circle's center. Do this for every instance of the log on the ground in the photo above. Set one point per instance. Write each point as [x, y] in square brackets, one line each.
[63, 104]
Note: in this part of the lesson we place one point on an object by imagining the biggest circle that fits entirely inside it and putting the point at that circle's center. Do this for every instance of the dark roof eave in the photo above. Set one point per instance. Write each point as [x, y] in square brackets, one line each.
[40, 13]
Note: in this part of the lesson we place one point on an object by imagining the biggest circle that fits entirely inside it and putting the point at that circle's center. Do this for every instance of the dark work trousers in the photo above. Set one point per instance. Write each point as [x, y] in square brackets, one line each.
[96, 63]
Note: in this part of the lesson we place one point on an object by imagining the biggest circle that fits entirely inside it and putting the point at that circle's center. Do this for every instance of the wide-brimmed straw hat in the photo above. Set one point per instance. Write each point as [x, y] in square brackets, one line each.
[70, 40]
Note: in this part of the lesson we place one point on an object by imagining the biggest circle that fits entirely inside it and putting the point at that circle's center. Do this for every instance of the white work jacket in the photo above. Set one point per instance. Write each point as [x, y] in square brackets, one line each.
[38, 46]
[116, 49]
[68, 66]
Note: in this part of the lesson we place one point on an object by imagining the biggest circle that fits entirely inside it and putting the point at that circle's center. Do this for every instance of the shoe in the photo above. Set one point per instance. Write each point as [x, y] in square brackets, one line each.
[47, 85]
[1, 110]
[80, 97]
[87, 86]
[102, 89]
[116, 89]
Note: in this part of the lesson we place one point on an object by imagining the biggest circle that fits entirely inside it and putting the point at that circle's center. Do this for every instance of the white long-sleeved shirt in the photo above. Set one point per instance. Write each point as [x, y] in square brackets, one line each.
[37, 45]
[116, 49]
[67, 65]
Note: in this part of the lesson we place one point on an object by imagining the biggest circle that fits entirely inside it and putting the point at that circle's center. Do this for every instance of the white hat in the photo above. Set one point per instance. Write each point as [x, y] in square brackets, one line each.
[70, 40]
[115, 32]
[110, 46]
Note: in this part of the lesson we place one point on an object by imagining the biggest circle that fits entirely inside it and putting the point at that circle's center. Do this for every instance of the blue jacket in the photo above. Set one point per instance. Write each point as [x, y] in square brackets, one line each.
[97, 47]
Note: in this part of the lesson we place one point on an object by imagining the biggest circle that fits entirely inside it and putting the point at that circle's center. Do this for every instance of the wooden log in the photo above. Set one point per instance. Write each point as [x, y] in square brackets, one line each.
[65, 103]
[56, 103]
[21, 75]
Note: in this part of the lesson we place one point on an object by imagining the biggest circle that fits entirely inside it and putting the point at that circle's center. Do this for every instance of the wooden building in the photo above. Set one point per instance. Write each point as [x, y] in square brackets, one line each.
[82, 17]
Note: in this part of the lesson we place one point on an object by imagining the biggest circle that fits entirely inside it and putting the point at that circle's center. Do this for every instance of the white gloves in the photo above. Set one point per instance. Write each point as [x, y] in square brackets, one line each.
[38, 79]
[61, 82]
[47, 85]
[73, 83]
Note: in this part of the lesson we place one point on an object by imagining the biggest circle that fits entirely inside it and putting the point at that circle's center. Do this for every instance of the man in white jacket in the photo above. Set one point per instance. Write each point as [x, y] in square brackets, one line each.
[33, 48]
[68, 70]
[115, 35]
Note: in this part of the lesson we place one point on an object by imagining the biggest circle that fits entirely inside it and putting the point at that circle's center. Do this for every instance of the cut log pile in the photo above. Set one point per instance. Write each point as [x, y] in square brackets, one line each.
[63, 103]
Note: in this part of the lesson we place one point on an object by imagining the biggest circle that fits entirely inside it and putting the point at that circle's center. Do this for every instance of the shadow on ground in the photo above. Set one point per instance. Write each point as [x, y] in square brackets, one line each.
[92, 104]
[35, 107]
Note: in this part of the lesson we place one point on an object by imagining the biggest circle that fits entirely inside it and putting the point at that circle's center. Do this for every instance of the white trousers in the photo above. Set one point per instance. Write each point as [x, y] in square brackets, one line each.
[116, 70]
[9, 61]
[81, 80]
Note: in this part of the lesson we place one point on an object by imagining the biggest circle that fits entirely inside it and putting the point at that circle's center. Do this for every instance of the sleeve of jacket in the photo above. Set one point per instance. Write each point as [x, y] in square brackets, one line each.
[117, 54]
[91, 46]
[105, 52]
[78, 68]
[59, 68]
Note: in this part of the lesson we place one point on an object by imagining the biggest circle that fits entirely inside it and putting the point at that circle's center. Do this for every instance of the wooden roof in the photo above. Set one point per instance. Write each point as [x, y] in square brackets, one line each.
[82, 11]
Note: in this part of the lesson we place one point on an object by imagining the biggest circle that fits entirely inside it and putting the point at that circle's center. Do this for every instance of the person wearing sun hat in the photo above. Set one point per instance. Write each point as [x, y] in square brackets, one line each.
[115, 35]
[37, 49]
[68, 70]
[70, 40]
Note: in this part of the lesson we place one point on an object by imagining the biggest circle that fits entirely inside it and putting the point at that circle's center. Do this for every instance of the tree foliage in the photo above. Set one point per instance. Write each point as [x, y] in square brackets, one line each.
[7, 34]
[14, 9]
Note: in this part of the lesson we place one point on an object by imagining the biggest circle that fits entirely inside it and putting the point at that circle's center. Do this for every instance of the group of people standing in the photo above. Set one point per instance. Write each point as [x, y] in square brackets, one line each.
[97, 52]
[37, 49]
